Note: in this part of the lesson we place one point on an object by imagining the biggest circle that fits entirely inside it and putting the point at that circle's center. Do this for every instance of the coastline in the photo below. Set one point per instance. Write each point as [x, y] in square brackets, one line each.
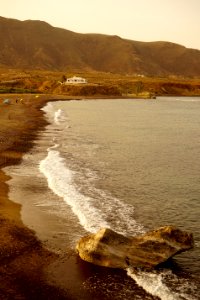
[27, 269]
[23, 258]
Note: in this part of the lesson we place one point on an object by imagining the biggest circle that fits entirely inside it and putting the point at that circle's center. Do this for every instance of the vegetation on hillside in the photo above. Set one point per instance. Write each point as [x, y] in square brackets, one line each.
[99, 84]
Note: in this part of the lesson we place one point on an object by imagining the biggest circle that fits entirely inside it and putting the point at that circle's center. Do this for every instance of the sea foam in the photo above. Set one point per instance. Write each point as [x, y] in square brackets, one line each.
[59, 117]
[60, 180]
[154, 283]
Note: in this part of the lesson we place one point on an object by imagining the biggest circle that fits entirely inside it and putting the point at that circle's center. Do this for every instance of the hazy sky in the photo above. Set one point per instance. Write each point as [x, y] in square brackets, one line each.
[176, 21]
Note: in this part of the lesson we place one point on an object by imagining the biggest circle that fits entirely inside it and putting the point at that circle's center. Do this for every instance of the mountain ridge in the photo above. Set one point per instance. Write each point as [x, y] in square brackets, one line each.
[39, 45]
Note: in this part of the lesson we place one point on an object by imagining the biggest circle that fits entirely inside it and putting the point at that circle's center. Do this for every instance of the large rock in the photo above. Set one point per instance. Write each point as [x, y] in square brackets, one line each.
[110, 249]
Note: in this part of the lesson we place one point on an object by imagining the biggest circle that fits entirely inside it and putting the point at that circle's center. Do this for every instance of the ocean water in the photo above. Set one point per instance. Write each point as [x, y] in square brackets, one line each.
[130, 165]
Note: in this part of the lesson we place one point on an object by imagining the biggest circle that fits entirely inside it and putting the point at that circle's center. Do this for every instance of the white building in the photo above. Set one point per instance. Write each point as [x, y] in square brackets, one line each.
[75, 80]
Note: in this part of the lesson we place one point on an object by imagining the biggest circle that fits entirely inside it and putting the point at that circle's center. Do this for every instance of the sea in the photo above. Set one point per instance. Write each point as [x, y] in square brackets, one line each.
[131, 165]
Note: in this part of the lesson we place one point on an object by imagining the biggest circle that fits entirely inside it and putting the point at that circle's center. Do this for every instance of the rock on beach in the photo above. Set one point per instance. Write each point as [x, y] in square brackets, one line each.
[111, 249]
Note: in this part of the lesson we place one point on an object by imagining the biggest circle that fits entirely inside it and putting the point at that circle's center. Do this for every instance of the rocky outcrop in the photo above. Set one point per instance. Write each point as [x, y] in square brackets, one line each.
[110, 249]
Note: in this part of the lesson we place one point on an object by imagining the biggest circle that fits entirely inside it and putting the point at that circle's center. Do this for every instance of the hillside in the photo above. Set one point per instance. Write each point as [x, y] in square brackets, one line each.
[38, 45]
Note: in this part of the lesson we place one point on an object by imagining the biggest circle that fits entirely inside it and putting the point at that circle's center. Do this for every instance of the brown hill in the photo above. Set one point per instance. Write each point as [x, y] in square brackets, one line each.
[38, 45]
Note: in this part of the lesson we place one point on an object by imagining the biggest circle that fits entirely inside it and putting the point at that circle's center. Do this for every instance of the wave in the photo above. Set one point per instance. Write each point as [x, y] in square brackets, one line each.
[92, 213]
[60, 180]
[155, 283]
[59, 117]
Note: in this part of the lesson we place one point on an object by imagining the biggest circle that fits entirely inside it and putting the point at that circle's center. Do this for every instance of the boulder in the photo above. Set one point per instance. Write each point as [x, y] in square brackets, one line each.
[111, 249]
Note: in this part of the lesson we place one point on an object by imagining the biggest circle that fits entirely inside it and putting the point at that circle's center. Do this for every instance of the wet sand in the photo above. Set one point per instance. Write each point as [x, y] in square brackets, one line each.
[27, 269]
[23, 259]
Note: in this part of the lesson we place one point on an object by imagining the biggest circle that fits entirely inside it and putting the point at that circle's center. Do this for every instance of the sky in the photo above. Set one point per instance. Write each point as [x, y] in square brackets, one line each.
[174, 21]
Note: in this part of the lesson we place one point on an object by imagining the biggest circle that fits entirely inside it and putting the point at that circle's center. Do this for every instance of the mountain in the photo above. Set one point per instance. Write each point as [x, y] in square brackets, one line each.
[38, 45]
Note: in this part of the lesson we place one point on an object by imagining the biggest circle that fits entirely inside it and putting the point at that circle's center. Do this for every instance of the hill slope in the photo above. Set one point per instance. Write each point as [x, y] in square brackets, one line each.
[38, 45]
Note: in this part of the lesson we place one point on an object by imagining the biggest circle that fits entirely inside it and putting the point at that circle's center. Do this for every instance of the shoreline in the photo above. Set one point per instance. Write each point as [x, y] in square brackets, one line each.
[23, 257]
[28, 270]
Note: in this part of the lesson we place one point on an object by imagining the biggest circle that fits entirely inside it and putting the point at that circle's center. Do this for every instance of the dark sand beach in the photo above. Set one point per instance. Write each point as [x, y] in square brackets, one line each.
[23, 258]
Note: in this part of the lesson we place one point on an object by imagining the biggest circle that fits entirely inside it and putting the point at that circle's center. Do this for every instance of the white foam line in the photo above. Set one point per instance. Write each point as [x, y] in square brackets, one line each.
[48, 108]
[152, 282]
[59, 117]
[60, 180]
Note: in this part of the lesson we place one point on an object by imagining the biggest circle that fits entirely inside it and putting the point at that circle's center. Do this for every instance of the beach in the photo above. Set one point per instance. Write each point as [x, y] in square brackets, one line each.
[23, 258]
[28, 270]
[38, 259]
